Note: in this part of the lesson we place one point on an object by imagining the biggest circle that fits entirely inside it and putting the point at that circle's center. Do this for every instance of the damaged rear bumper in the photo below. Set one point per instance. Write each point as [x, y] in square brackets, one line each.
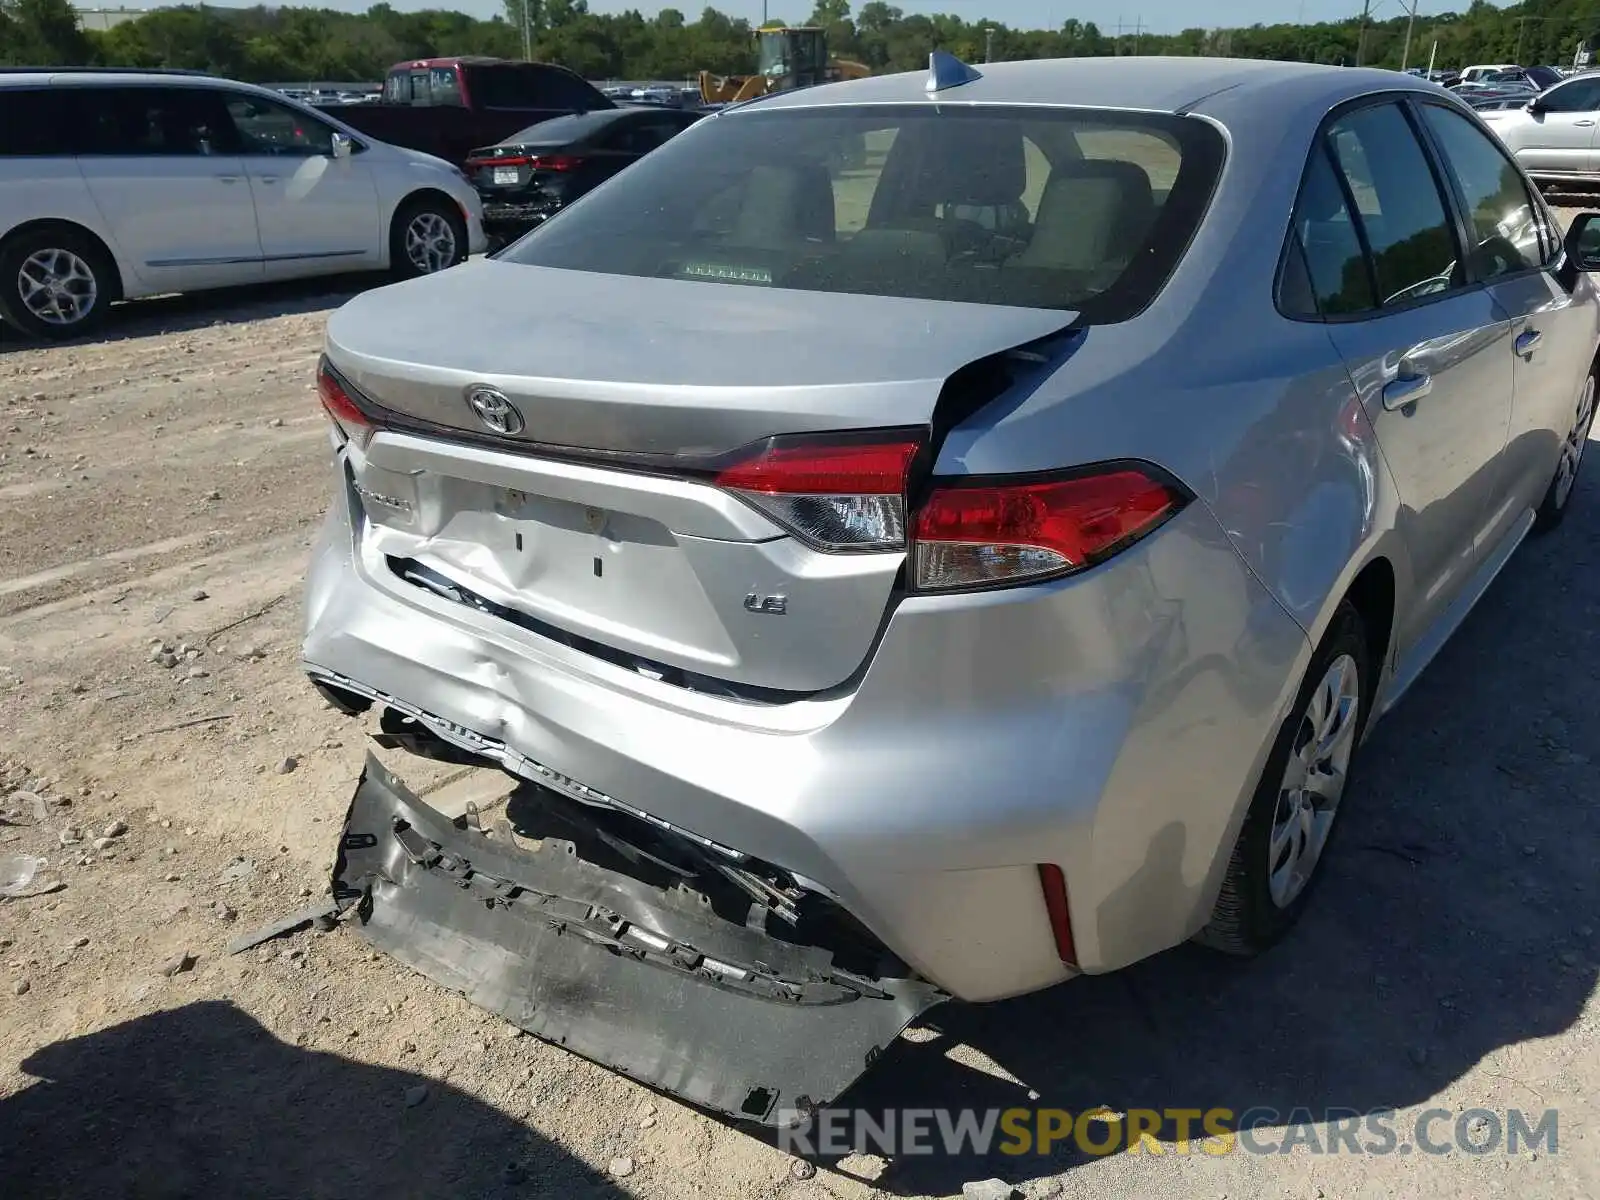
[660, 983]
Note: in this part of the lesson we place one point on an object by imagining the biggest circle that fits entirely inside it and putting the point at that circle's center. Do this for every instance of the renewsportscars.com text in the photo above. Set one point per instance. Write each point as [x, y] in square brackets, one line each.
[1211, 1131]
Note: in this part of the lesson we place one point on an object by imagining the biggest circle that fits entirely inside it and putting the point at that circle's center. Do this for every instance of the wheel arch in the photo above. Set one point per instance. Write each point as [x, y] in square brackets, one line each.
[118, 287]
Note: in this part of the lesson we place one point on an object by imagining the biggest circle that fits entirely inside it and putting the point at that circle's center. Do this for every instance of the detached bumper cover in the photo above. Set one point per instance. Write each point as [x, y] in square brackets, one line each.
[644, 981]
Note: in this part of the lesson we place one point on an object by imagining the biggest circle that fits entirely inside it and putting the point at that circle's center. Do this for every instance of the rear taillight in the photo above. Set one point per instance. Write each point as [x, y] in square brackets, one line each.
[995, 532]
[835, 492]
[510, 160]
[554, 162]
[345, 414]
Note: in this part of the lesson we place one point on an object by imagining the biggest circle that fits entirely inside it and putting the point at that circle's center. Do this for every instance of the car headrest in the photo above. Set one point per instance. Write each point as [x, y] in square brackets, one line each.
[1093, 212]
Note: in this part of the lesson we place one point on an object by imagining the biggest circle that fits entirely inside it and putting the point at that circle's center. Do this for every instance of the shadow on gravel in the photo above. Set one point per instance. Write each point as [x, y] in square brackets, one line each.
[201, 310]
[1456, 918]
[203, 1101]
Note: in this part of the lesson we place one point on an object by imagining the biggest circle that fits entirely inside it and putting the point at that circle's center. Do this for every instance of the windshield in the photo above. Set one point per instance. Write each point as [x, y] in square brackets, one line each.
[1030, 207]
[561, 129]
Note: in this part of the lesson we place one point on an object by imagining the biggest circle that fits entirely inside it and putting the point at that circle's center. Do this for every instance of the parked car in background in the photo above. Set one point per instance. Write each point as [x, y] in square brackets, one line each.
[117, 184]
[528, 176]
[448, 106]
[1479, 71]
[974, 569]
[1554, 133]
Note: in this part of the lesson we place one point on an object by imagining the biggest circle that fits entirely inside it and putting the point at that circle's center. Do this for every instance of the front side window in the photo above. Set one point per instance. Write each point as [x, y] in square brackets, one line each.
[1499, 208]
[264, 127]
[912, 201]
[1579, 96]
[1407, 227]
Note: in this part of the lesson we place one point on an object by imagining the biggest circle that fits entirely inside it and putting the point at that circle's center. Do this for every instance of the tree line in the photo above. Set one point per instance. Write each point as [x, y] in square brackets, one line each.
[283, 44]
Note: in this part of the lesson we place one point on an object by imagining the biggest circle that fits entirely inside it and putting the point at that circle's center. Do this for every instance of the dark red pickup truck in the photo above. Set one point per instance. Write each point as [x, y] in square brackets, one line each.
[450, 106]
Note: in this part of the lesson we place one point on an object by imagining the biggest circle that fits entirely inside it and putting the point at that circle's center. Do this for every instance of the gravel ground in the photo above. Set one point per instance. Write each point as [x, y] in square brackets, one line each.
[159, 489]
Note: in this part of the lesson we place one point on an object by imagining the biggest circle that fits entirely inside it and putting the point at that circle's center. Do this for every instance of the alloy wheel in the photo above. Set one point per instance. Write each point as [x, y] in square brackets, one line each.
[57, 287]
[430, 242]
[1313, 780]
[1572, 448]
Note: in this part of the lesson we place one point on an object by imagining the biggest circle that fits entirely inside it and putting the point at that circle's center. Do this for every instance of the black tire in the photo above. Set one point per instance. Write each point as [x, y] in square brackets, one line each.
[86, 254]
[437, 207]
[1246, 919]
[1557, 500]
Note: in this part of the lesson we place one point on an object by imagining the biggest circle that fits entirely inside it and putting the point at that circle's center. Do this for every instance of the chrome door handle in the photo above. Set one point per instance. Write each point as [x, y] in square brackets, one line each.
[1402, 393]
[230, 178]
[1582, 124]
[1528, 341]
[266, 179]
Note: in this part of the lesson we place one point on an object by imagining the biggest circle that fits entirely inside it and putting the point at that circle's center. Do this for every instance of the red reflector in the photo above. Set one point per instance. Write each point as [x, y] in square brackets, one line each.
[1054, 885]
[342, 409]
[820, 467]
[971, 536]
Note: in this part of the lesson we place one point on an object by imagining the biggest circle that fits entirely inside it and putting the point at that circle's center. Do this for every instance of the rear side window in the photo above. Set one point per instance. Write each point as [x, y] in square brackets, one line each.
[1401, 209]
[35, 122]
[156, 121]
[1371, 218]
[907, 201]
[1335, 260]
[443, 86]
[1505, 230]
[530, 85]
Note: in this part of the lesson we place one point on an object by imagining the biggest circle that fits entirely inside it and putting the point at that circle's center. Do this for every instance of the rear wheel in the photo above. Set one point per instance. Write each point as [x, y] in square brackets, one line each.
[1291, 819]
[1558, 498]
[55, 282]
[428, 236]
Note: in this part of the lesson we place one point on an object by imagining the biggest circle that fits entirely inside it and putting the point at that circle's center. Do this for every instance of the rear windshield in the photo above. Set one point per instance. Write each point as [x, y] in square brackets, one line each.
[563, 129]
[1038, 208]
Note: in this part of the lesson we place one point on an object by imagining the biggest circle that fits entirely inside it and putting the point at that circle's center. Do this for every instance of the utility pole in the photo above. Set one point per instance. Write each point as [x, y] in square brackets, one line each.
[1138, 30]
[988, 43]
[1433, 56]
[1118, 43]
[1522, 24]
[527, 32]
[1361, 40]
[1411, 21]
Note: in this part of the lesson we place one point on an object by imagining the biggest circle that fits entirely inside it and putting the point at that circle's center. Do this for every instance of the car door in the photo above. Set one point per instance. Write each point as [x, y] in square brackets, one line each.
[1560, 136]
[1428, 350]
[1515, 251]
[160, 167]
[316, 212]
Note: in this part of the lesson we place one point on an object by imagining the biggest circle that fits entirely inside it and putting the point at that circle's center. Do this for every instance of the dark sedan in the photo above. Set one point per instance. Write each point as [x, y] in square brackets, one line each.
[533, 173]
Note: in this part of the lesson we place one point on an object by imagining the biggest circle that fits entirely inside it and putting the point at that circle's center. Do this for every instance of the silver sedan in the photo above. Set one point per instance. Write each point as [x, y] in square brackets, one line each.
[928, 537]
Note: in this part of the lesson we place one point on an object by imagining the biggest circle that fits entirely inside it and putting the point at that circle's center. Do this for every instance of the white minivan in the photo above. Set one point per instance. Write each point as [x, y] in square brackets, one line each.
[121, 184]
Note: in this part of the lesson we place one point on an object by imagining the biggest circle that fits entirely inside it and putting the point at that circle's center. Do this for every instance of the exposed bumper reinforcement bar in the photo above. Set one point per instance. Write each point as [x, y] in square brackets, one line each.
[647, 981]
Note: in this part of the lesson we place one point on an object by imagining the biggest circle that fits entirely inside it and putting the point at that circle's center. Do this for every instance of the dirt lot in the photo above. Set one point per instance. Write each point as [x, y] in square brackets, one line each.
[163, 484]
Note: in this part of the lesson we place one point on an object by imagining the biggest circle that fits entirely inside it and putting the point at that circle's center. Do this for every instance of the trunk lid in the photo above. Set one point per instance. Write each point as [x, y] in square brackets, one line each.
[584, 525]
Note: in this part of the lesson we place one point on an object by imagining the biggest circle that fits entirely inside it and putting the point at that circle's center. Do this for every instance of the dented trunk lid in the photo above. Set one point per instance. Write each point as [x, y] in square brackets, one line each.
[590, 520]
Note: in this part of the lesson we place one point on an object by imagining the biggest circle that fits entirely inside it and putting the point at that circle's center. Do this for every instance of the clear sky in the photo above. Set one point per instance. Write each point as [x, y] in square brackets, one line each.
[1160, 16]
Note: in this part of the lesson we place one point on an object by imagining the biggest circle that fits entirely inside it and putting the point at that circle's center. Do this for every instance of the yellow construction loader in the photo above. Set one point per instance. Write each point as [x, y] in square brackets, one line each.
[787, 57]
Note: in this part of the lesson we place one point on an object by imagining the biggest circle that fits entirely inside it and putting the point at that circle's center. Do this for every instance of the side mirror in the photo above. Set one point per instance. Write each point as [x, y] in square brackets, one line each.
[1583, 241]
[1535, 106]
[342, 145]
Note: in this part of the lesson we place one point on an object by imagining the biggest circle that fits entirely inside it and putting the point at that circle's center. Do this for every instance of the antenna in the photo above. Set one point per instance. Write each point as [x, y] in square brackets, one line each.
[945, 70]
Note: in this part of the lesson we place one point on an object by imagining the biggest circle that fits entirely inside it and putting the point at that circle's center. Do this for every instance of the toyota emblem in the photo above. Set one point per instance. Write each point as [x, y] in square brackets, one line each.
[497, 413]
